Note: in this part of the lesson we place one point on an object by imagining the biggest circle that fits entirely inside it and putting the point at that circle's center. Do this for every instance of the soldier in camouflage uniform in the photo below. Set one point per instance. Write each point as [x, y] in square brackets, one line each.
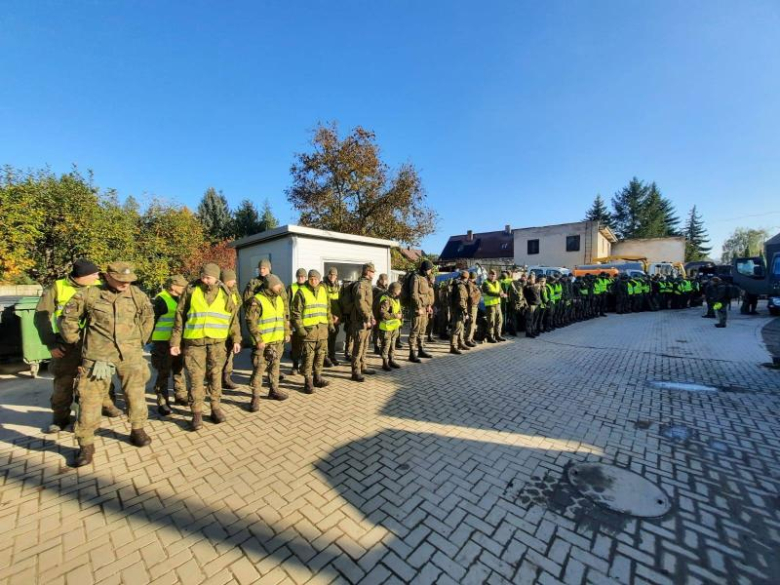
[207, 317]
[66, 358]
[296, 344]
[362, 321]
[475, 296]
[311, 321]
[253, 286]
[421, 306]
[230, 280]
[334, 294]
[492, 293]
[390, 321]
[269, 328]
[380, 289]
[459, 311]
[119, 320]
[163, 362]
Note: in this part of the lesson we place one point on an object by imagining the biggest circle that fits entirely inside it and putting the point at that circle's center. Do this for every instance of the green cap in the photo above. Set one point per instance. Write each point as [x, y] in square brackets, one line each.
[122, 271]
[369, 266]
[315, 273]
[228, 274]
[300, 272]
[178, 280]
[210, 269]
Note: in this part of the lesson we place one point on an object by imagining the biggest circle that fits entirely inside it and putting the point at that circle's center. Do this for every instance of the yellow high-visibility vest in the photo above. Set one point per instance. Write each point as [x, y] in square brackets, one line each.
[315, 312]
[494, 287]
[164, 326]
[63, 292]
[395, 308]
[204, 320]
[271, 323]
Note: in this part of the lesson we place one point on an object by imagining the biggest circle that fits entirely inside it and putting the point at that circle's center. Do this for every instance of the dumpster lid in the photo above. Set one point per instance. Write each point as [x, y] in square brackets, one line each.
[27, 303]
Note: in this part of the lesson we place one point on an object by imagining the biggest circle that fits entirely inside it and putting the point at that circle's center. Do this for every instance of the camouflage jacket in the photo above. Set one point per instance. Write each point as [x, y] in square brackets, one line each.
[363, 311]
[118, 324]
[254, 312]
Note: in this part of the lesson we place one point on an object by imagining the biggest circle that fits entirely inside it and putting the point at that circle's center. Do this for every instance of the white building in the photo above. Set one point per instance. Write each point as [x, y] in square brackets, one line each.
[563, 244]
[290, 247]
[670, 249]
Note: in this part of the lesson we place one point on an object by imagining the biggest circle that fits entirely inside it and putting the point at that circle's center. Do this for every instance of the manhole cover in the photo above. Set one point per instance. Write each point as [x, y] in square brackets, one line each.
[684, 386]
[619, 490]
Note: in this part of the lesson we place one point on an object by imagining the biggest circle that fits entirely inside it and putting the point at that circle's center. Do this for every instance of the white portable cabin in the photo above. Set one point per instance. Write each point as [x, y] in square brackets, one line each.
[290, 247]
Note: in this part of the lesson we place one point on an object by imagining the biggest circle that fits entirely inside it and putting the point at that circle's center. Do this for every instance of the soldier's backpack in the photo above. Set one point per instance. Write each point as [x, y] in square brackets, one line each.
[347, 297]
[406, 289]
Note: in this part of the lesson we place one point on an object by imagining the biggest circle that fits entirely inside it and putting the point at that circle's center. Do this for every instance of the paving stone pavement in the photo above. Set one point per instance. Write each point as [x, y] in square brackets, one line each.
[453, 471]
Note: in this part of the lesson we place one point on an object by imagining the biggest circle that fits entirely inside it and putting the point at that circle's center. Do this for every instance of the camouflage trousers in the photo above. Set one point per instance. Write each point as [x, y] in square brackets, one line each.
[268, 359]
[417, 332]
[205, 362]
[332, 341]
[167, 364]
[457, 338]
[494, 321]
[530, 320]
[387, 341]
[313, 357]
[227, 369]
[361, 337]
[133, 375]
[65, 371]
[471, 327]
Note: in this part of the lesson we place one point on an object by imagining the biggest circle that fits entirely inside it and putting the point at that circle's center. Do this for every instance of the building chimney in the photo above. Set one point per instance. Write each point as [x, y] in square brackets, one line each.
[507, 229]
[469, 236]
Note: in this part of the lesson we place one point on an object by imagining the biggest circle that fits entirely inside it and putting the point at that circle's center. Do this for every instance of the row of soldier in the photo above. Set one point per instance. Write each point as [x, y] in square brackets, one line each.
[96, 326]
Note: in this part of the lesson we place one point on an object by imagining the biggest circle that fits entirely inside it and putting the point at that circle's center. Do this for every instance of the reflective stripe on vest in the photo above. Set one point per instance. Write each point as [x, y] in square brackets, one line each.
[204, 320]
[395, 307]
[315, 312]
[271, 322]
[164, 326]
[63, 292]
[495, 288]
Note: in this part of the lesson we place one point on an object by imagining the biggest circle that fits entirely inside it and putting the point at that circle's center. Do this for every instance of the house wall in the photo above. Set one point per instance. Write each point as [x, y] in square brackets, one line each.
[552, 244]
[654, 249]
[316, 253]
[279, 252]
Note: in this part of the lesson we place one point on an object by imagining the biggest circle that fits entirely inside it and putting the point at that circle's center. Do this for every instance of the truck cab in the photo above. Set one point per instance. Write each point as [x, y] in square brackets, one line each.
[752, 276]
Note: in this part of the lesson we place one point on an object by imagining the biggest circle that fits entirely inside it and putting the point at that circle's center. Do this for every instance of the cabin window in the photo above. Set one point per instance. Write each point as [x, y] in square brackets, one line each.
[533, 247]
[573, 243]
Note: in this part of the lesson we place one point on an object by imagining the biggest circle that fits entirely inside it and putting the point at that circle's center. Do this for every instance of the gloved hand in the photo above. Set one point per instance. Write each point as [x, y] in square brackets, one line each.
[102, 371]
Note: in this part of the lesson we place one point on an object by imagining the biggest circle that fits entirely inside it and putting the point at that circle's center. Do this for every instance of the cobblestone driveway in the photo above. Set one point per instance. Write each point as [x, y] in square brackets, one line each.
[449, 472]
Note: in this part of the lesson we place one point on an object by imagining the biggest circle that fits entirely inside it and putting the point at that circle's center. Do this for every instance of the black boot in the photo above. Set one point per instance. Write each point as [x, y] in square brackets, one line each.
[308, 386]
[321, 383]
[139, 438]
[386, 366]
[254, 406]
[163, 406]
[197, 421]
[276, 394]
[227, 382]
[394, 364]
[217, 416]
[327, 363]
[86, 453]
[456, 351]
[413, 357]
[356, 377]
[424, 354]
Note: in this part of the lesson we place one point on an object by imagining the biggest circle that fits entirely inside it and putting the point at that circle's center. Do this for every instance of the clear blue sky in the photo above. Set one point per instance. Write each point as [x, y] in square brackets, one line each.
[514, 112]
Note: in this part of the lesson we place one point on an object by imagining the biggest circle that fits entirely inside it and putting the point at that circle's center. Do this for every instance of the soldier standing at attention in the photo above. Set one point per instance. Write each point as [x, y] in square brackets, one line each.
[534, 300]
[165, 305]
[311, 321]
[421, 307]
[390, 320]
[119, 320]
[362, 320]
[475, 295]
[334, 292]
[230, 280]
[64, 365]
[296, 344]
[268, 326]
[253, 286]
[379, 291]
[491, 291]
[459, 303]
[206, 318]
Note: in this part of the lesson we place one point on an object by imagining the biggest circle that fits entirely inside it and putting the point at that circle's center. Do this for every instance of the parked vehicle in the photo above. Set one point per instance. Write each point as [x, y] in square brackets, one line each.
[548, 270]
[753, 275]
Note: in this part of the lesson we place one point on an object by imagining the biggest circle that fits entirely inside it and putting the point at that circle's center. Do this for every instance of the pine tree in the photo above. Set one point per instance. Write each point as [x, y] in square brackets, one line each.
[628, 205]
[695, 238]
[671, 220]
[215, 215]
[599, 212]
[246, 220]
[268, 221]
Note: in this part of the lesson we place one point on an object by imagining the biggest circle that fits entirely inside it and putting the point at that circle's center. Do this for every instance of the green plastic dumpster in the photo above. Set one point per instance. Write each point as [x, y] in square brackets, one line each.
[33, 350]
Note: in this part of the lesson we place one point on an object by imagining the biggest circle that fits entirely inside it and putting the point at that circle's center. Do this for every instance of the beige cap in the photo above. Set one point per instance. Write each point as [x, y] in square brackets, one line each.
[210, 269]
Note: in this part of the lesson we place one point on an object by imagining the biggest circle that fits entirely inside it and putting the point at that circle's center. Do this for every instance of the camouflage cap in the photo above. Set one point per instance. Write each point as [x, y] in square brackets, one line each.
[122, 271]
[273, 281]
[333, 270]
[315, 274]
[383, 276]
[177, 280]
[300, 272]
[228, 274]
[395, 287]
[369, 266]
[210, 269]
[264, 263]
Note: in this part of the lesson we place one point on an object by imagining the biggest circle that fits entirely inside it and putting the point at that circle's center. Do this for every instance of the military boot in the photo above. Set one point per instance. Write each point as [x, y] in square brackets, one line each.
[357, 376]
[163, 406]
[399, 344]
[139, 438]
[294, 369]
[181, 400]
[455, 350]
[430, 338]
[424, 354]
[227, 382]
[321, 383]
[86, 453]
[499, 338]
[377, 350]
[111, 411]
[333, 360]
[394, 364]
[328, 363]
[308, 386]
[217, 416]
[197, 421]
[386, 366]
[254, 406]
[413, 357]
[276, 394]
[58, 424]
[368, 371]
[464, 346]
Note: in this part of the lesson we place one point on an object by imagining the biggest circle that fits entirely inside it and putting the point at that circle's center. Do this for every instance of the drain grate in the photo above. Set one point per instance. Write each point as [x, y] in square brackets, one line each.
[619, 490]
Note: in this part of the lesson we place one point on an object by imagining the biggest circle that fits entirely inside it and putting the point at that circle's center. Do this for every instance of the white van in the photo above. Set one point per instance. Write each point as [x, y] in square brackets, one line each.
[549, 271]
